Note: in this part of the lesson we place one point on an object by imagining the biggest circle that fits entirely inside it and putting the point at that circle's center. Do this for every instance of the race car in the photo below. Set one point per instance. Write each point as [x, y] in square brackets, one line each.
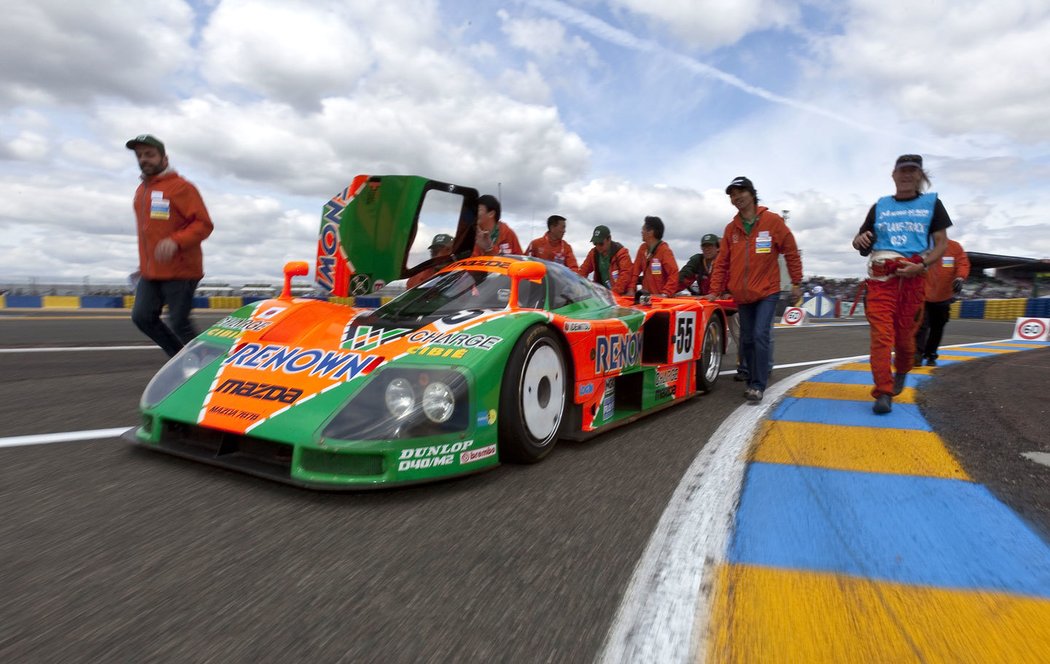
[493, 359]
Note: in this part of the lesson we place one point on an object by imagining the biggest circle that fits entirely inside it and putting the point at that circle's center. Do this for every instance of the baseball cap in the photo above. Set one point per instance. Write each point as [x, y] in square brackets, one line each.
[710, 238]
[909, 160]
[145, 139]
[740, 182]
[441, 240]
[601, 234]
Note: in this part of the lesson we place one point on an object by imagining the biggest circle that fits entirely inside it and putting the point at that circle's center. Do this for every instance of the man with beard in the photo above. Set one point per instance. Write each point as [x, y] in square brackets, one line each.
[172, 222]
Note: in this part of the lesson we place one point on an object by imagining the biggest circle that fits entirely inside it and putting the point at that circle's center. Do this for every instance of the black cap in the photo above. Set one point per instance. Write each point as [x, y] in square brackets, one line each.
[740, 182]
[601, 234]
[145, 139]
[441, 240]
[909, 160]
[710, 238]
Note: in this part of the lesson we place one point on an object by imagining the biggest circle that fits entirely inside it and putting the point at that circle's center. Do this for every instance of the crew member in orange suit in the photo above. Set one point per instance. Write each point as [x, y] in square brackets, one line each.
[944, 279]
[609, 261]
[654, 263]
[552, 246]
[903, 235]
[494, 237]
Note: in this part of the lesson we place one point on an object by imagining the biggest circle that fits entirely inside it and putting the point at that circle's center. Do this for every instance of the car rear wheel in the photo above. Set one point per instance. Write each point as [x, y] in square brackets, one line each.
[710, 362]
[532, 397]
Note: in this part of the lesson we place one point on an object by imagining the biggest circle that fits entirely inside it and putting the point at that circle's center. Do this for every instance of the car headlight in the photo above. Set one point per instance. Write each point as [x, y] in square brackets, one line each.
[438, 402]
[194, 356]
[405, 402]
[399, 397]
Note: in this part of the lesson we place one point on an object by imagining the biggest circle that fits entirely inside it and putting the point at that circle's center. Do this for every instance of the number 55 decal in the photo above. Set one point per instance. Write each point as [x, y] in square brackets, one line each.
[684, 336]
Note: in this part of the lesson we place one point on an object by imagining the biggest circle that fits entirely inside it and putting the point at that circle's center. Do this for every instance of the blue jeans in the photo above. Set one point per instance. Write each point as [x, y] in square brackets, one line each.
[150, 297]
[756, 339]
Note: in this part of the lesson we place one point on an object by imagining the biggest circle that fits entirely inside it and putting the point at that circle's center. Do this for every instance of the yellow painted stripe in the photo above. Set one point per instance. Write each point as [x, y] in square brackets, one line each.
[991, 351]
[61, 301]
[866, 366]
[1017, 346]
[766, 615]
[946, 355]
[845, 392]
[868, 450]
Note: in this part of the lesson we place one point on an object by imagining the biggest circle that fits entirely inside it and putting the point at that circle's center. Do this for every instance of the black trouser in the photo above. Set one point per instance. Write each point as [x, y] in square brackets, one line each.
[150, 297]
[928, 338]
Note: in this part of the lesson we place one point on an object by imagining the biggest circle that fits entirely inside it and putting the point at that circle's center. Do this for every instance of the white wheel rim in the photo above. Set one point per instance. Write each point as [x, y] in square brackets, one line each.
[713, 351]
[542, 393]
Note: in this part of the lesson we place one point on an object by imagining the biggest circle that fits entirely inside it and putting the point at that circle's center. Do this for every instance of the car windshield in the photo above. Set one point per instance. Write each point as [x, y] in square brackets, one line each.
[452, 292]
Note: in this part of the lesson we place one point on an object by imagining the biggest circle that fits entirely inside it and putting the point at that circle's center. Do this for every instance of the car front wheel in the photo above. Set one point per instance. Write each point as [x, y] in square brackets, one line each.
[532, 397]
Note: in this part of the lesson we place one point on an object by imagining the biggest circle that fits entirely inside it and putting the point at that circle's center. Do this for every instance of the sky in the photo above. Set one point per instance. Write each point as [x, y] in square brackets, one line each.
[602, 112]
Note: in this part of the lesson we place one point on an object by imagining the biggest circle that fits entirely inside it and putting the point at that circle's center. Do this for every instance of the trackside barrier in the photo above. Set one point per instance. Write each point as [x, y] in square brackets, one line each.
[61, 302]
[101, 301]
[1032, 329]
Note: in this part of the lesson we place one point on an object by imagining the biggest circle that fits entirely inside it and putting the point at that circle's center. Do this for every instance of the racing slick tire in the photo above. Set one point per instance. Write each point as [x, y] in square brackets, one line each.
[710, 362]
[532, 397]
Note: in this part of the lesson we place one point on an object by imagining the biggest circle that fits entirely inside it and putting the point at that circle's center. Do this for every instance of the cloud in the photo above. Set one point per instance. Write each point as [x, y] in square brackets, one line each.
[53, 51]
[711, 24]
[957, 66]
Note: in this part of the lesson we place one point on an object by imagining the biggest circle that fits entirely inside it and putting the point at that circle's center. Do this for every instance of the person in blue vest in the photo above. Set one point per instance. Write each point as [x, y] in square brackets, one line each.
[902, 236]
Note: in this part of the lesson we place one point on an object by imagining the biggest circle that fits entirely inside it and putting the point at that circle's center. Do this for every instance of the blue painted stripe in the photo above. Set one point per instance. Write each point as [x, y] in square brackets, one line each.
[849, 413]
[897, 528]
[848, 377]
[1032, 343]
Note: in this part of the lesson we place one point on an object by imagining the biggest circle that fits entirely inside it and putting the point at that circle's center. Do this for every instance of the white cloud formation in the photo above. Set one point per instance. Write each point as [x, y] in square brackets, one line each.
[958, 66]
[710, 24]
[53, 51]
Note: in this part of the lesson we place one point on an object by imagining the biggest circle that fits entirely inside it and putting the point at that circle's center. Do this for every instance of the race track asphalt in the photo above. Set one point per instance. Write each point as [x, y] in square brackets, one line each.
[111, 553]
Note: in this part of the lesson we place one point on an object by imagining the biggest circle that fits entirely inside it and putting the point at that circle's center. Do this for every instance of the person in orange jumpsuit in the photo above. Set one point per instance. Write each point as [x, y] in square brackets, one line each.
[654, 262]
[552, 246]
[609, 261]
[902, 236]
[494, 237]
[944, 279]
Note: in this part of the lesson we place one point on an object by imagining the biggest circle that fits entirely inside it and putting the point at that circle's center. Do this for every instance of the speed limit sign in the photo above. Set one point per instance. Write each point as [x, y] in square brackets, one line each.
[1032, 329]
[794, 316]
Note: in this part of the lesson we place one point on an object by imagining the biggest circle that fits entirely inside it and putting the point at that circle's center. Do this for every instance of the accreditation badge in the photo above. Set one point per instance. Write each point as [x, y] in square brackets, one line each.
[656, 267]
[948, 261]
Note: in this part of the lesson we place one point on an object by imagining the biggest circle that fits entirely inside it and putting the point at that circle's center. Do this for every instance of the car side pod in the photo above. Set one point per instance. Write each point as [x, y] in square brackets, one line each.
[293, 269]
[531, 270]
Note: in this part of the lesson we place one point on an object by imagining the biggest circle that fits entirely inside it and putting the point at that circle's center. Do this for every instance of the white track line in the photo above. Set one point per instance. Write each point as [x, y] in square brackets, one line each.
[70, 349]
[69, 436]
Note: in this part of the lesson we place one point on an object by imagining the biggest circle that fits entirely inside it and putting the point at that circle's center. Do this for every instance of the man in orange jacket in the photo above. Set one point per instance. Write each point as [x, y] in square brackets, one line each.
[748, 268]
[552, 246]
[944, 278]
[609, 261]
[172, 223]
[655, 262]
[494, 238]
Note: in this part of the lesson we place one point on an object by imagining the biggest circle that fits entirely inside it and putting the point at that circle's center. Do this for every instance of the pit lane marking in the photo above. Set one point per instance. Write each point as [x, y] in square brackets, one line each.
[68, 436]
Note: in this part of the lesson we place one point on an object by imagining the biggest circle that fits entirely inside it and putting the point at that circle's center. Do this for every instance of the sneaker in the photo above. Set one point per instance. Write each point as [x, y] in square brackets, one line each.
[883, 404]
[931, 361]
[754, 394]
[898, 383]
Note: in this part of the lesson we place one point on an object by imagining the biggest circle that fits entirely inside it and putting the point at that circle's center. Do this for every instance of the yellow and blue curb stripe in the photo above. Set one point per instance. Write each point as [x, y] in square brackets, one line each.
[858, 537]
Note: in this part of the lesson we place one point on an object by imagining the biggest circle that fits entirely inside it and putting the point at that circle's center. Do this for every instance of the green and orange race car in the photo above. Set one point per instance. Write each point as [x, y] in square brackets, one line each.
[493, 359]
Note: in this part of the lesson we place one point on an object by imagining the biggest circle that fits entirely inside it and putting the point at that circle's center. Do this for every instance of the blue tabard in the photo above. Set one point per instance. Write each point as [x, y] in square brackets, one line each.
[903, 226]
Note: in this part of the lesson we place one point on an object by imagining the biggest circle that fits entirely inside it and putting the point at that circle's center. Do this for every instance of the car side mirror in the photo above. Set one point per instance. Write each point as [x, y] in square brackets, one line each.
[528, 270]
[293, 269]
